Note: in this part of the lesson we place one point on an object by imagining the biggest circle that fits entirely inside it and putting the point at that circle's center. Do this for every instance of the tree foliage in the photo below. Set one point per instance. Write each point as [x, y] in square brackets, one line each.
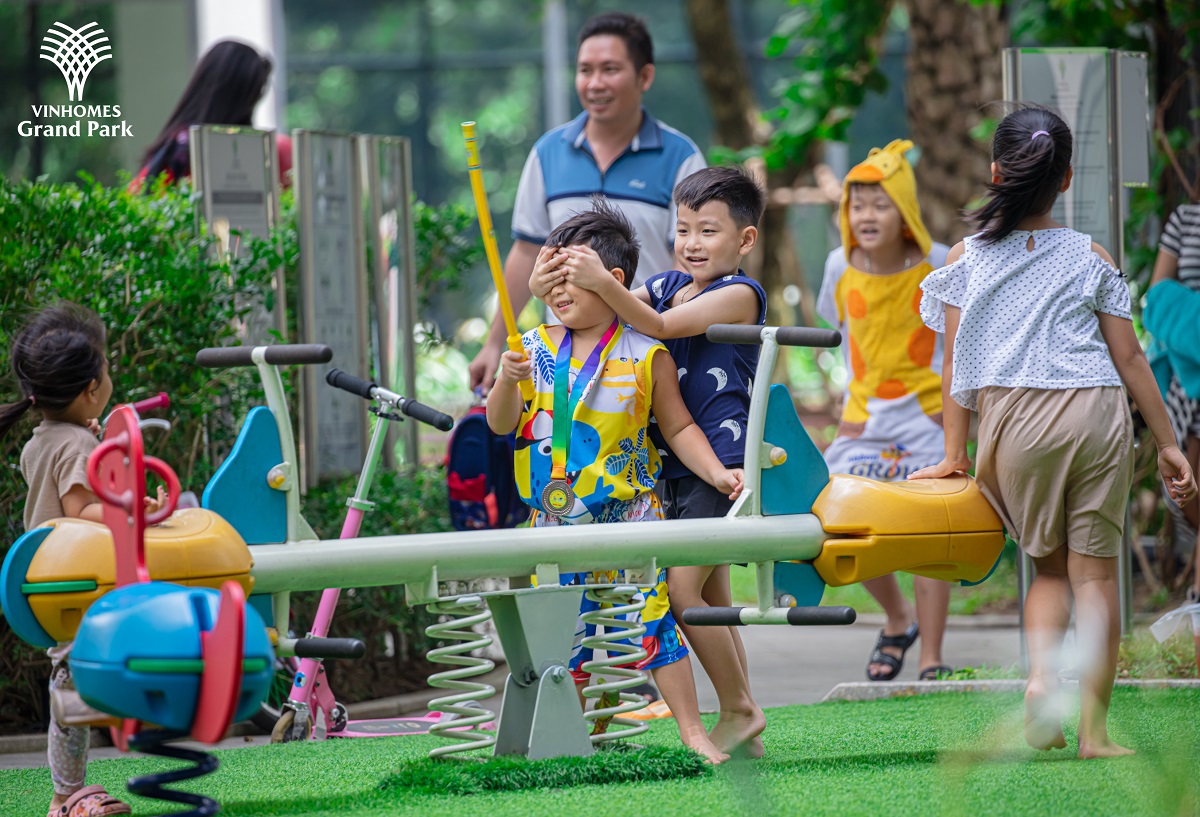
[833, 46]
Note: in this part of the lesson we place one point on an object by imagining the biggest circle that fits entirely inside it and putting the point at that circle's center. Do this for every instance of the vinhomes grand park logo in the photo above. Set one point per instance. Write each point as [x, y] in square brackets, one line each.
[75, 52]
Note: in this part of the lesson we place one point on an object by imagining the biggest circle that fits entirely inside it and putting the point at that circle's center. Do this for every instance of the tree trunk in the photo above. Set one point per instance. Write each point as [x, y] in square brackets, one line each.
[953, 63]
[1178, 91]
[737, 118]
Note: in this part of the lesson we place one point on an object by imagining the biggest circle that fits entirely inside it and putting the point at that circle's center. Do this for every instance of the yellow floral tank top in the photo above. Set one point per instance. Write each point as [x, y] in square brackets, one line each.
[610, 461]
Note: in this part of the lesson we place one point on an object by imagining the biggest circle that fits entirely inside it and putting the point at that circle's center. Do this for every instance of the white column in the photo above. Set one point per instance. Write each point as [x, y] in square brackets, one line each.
[556, 85]
[258, 23]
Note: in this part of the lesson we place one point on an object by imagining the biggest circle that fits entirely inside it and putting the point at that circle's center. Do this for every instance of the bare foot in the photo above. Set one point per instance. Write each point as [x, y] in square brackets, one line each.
[734, 729]
[1043, 720]
[754, 748]
[699, 742]
[1104, 749]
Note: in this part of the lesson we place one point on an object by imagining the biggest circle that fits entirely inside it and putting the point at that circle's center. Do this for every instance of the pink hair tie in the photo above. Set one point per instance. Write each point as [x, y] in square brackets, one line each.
[1038, 133]
[32, 400]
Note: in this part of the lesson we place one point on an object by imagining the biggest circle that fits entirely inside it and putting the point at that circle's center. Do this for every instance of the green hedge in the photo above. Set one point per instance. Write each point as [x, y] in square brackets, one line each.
[140, 263]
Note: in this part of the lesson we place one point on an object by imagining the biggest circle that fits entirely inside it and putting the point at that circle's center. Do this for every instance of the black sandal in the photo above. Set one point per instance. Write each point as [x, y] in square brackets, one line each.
[894, 664]
[937, 672]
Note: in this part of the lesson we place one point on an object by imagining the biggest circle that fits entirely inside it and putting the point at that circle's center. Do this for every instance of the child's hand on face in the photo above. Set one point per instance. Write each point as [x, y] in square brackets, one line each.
[548, 271]
[1181, 482]
[514, 368]
[93, 425]
[585, 269]
[730, 481]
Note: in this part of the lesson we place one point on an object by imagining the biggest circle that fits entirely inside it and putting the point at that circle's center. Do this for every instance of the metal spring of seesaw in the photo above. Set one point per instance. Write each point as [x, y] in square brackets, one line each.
[612, 628]
[153, 742]
[464, 612]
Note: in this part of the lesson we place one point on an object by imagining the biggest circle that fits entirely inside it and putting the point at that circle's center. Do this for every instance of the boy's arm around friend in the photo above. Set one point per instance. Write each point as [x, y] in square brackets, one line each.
[581, 266]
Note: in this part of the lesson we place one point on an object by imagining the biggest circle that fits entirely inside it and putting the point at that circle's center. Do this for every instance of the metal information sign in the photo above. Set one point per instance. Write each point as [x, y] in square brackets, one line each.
[1102, 96]
[386, 166]
[235, 171]
[333, 298]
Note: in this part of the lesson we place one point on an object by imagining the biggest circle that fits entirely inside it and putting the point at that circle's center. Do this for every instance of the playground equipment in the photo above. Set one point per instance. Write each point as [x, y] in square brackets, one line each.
[777, 523]
[190, 659]
[310, 692]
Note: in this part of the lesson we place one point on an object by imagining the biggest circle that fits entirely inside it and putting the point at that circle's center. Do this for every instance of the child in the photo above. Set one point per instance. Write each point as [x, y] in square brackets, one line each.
[1170, 315]
[891, 422]
[582, 452]
[718, 212]
[60, 366]
[1039, 340]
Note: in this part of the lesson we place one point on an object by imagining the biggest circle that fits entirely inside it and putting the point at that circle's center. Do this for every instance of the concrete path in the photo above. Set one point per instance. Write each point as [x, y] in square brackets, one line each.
[788, 665]
[798, 665]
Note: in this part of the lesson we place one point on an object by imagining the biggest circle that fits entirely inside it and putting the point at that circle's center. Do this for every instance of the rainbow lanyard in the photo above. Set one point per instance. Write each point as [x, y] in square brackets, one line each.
[567, 399]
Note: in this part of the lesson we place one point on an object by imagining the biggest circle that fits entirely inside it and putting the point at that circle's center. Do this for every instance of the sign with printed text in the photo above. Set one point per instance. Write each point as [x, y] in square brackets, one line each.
[386, 172]
[1075, 85]
[1103, 97]
[234, 171]
[333, 297]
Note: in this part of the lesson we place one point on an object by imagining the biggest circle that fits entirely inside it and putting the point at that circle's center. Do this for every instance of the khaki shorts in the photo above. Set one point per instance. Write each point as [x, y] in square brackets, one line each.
[1057, 464]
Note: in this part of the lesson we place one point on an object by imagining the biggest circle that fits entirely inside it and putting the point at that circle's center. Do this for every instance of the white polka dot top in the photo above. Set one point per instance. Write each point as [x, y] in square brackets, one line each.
[1028, 317]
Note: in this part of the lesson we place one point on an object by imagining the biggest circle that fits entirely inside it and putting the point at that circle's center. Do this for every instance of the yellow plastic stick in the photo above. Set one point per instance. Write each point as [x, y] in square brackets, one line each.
[489, 246]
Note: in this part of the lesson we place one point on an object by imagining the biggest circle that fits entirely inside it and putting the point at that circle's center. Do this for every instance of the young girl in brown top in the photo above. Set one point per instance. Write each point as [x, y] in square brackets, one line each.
[60, 365]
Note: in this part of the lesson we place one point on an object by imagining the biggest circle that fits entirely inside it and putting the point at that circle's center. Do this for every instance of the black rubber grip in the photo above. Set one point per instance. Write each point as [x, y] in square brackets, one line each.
[784, 335]
[330, 648]
[713, 616]
[796, 616]
[348, 382]
[804, 616]
[422, 412]
[227, 357]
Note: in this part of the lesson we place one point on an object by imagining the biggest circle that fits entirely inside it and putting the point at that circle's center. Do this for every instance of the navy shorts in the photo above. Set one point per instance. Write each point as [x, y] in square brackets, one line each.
[692, 498]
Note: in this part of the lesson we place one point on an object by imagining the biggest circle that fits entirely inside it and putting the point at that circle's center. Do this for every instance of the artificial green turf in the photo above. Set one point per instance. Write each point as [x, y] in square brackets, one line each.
[949, 754]
[650, 763]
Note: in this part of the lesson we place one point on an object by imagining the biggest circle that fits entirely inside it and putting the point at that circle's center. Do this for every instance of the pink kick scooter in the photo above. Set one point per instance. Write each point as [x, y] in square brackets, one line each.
[310, 693]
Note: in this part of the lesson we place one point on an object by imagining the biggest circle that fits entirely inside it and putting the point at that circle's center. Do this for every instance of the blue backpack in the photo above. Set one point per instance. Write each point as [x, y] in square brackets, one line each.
[479, 476]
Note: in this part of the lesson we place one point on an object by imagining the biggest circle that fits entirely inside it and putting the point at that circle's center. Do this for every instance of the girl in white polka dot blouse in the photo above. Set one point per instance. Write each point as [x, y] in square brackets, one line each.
[1038, 340]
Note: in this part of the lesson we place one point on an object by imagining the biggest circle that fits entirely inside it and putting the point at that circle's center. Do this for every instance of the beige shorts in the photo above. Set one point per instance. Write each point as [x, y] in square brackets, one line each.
[1057, 464]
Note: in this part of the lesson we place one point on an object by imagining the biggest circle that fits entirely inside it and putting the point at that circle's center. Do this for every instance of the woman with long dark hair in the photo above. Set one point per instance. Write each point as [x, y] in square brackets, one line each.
[224, 89]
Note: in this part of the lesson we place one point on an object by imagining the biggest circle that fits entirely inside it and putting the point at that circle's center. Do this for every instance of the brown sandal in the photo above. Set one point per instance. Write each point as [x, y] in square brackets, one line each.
[92, 801]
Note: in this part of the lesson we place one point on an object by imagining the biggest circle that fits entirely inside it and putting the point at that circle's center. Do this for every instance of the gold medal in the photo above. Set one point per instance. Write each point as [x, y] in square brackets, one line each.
[557, 497]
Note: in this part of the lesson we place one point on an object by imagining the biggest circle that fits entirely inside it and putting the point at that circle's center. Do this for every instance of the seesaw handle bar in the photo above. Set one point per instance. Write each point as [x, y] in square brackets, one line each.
[323, 647]
[795, 616]
[369, 390]
[784, 335]
[290, 354]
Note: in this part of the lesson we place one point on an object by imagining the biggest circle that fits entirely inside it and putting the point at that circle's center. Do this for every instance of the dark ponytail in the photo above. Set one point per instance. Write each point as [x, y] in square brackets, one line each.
[55, 357]
[1032, 151]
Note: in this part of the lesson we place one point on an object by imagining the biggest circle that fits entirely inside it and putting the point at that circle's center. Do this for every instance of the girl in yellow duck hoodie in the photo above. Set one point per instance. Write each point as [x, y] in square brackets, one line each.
[891, 423]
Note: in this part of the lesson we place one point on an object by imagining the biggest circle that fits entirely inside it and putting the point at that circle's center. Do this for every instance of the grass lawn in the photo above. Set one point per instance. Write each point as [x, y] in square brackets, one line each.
[942, 755]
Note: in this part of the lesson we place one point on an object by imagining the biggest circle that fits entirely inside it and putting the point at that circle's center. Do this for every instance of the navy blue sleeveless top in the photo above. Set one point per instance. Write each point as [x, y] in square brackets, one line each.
[714, 378]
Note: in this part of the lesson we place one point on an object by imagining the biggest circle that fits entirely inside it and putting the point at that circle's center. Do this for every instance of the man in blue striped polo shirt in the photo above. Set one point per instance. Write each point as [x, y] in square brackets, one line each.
[615, 148]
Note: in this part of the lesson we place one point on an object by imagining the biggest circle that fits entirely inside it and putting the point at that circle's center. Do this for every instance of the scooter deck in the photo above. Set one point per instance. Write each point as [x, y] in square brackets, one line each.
[389, 727]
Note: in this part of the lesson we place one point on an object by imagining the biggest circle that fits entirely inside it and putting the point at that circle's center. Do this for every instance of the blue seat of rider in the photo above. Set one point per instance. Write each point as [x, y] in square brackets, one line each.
[239, 491]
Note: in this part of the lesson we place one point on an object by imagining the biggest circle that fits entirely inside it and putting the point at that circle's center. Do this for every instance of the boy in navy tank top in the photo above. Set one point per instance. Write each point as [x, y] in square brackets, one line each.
[719, 209]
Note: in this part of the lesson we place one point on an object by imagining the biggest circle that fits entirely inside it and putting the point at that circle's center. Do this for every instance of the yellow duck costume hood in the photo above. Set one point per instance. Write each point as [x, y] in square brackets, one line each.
[887, 168]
